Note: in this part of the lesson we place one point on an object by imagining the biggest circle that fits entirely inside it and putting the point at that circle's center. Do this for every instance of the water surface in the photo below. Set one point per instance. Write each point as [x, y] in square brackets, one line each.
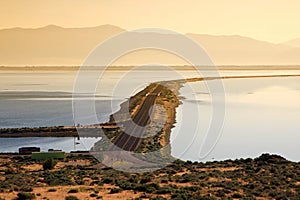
[66, 144]
[262, 114]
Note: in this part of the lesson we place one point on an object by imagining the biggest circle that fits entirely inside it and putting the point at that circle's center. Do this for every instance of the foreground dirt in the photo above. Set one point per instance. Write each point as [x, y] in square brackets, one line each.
[61, 192]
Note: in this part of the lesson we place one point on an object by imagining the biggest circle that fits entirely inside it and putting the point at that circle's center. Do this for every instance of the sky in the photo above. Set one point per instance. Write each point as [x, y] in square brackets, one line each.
[269, 20]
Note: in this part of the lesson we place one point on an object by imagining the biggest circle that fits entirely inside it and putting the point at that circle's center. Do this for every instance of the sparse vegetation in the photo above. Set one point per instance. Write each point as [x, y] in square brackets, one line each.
[268, 177]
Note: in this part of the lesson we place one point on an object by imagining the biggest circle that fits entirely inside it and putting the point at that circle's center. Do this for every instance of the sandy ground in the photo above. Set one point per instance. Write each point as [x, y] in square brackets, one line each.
[83, 193]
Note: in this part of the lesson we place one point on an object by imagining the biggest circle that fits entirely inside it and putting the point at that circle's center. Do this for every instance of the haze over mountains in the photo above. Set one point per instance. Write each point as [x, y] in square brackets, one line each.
[293, 43]
[54, 45]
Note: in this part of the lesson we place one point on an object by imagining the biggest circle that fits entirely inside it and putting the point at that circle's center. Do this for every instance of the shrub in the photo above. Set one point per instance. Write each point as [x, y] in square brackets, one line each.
[71, 198]
[115, 190]
[126, 185]
[192, 188]
[93, 195]
[181, 196]
[52, 190]
[237, 195]
[164, 190]
[57, 178]
[25, 196]
[26, 189]
[75, 190]
[220, 193]
[148, 188]
[107, 180]
[49, 164]
[158, 198]
[145, 180]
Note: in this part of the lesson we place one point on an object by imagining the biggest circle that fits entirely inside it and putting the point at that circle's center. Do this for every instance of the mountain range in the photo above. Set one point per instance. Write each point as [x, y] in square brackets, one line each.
[54, 45]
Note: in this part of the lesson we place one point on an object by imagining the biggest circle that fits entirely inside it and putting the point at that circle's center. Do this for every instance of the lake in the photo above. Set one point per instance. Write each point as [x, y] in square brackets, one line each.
[262, 114]
[62, 143]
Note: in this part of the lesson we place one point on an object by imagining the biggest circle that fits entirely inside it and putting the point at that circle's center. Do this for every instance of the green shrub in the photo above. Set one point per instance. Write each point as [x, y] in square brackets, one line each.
[49, 164]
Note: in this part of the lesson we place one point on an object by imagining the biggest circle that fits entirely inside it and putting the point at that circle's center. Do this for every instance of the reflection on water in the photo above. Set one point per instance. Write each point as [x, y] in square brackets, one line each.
[262, 115]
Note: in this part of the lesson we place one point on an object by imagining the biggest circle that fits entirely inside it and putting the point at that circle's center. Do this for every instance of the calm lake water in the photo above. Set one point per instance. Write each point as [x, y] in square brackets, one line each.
[66, 143]
[262, 114]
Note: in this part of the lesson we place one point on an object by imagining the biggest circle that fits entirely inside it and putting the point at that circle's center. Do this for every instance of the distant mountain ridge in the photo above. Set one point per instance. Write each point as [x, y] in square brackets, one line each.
[55, 45]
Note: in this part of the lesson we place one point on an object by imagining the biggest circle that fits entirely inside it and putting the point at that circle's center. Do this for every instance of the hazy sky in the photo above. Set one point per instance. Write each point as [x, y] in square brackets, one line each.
[270, 20]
